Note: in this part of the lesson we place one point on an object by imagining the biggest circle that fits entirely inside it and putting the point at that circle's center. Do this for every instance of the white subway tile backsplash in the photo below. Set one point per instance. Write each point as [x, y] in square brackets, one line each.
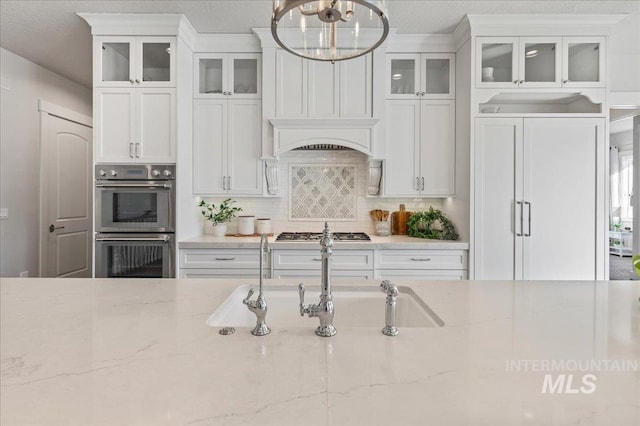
[278, 208]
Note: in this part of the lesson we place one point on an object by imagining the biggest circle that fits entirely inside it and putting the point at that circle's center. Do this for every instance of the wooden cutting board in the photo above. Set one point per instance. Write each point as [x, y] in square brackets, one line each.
[396, 219]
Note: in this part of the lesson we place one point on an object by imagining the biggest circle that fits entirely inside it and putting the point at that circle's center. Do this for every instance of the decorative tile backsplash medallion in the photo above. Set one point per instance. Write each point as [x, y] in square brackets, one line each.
[322, 192]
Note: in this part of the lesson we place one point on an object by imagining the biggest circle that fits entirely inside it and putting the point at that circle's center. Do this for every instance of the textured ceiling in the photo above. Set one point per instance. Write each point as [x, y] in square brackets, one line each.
[50, 34]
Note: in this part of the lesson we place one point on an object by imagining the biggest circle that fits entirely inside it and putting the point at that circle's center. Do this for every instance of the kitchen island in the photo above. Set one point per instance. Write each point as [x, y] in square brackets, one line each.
[138, 352]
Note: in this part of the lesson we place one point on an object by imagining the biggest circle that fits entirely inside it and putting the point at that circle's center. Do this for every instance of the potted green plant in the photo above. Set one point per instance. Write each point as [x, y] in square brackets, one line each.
[432, 224]
[219, 216]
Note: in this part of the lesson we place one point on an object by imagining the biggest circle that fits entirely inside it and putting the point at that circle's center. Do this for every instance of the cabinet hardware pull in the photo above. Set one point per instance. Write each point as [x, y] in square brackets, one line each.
[565, 81]
[528, 234]
[519, 234]
[315, 259]
[134, 185]
[229, 183]
[225, 93]
[225, 258]
[163, 239]
[131, 150]
[230, 93]
[421, 259]
[131, 80]
[224, 182]
[422, 184]
[423, 93]
[515, 81]
[417, 184]
[137, 150]
[417, 93]
[137, 81]
[521, 81]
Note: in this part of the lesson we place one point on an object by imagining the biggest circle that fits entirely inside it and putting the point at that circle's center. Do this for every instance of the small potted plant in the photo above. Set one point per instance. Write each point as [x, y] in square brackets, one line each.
[219, 216]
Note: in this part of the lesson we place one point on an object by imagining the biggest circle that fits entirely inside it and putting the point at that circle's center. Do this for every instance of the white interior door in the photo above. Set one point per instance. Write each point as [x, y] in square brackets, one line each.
[498, 195]
[560, 178]
[66, 196]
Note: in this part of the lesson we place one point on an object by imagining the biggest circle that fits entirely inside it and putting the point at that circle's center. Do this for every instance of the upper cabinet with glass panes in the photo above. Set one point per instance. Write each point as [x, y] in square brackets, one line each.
[135, 62]
[421, 76]
[228, 75]
[512, 62]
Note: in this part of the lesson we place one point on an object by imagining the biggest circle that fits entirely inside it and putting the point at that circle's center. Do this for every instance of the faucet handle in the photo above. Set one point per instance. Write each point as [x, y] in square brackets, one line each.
[246, 299]
[301, 294]
[387, 287]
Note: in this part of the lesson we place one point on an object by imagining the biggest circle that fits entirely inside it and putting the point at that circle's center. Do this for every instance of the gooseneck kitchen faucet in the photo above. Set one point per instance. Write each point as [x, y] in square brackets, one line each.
[259, 306]
[324, 309]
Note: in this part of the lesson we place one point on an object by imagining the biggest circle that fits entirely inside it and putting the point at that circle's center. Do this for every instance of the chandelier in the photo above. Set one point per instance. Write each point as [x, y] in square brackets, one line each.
[329, 30]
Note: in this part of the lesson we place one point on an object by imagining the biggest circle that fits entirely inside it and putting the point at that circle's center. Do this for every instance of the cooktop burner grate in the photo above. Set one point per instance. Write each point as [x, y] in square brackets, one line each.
[315, 236]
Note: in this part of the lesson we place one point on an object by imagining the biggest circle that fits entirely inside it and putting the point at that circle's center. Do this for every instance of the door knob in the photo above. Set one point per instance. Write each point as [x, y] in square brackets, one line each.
[53, 228]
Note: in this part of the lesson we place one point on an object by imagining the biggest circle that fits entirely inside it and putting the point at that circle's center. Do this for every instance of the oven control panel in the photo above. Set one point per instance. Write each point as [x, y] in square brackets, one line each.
[135, 172]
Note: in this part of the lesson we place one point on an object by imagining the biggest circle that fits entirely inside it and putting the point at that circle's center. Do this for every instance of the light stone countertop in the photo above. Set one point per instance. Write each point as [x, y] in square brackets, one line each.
[138, 352]
[391, 242]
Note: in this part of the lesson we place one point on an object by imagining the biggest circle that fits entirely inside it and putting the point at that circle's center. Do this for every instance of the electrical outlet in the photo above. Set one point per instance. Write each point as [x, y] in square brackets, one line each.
[24, 274]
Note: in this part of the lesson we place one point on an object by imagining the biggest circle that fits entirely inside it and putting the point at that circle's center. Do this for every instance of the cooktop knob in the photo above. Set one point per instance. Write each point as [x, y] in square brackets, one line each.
[167, 173]
[102, 173]
[114, 173]
[155, 173]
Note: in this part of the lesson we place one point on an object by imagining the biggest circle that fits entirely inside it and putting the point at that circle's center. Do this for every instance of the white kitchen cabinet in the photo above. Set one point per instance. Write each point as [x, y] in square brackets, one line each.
[124, 61]
[539, 198]
[227, 147]
[228, 75]
[308, 263]
[221, 263]
[429, 264]
[512, 62]
[420, 158]
[135, 125]
[316, 89]
[420, 76]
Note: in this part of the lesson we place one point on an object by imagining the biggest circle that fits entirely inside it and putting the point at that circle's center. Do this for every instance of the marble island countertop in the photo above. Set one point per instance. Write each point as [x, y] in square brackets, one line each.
[138, 352]
[390, 242]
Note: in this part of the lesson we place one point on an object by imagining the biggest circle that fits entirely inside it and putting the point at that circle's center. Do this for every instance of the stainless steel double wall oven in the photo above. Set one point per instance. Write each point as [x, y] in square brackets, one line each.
[135, 221]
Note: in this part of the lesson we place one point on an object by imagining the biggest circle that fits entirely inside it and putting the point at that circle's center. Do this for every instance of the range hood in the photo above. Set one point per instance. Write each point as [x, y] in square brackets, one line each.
[316, 133]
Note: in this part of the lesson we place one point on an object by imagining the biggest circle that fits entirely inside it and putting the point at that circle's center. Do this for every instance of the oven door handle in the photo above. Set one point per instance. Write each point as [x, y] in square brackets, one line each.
[164, 239]
[133, 185]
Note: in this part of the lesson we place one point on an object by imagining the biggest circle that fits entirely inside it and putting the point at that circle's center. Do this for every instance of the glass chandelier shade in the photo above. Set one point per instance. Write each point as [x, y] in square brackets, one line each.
[329, 30]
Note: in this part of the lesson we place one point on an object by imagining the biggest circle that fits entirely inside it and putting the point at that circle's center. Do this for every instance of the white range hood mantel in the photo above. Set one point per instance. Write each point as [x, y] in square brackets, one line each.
[354, 133]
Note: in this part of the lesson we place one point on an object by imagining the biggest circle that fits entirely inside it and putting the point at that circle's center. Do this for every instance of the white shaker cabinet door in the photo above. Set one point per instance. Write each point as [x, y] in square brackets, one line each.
[498, 199]
[114, 112]
[561, 213]
[437, 148]
[157, 131]
[209, 146]
[244, 148]
[402, 165]
[291, 84]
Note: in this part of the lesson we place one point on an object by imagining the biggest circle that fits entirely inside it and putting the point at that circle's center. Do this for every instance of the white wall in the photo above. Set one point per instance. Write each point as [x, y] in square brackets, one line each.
[23, 83]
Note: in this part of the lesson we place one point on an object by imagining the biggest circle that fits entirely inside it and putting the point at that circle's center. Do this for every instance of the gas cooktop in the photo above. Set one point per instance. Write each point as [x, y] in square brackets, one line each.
[315, 236]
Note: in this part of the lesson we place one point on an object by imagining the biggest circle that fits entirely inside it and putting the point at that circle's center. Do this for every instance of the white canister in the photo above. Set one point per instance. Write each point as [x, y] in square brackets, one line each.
[263, 225]
[245, 225]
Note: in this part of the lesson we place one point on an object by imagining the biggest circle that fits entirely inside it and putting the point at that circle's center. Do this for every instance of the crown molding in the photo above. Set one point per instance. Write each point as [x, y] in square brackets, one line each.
[542, 24]
[236, 43]
[135, 24]
[411, 43]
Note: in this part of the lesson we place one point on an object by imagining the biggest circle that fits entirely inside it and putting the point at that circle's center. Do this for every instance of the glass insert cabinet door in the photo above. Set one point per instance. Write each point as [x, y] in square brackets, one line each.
[135, 61]
[497, 62]
[228, 75]
[427, 75]
[583, 62]
[540, 62]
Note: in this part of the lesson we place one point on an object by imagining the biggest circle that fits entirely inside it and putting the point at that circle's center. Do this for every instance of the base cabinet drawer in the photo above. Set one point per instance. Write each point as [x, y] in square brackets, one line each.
[220, 273]
[312, 259]
[221, 258]
[307, 273]
[421, 259]
[422, 274]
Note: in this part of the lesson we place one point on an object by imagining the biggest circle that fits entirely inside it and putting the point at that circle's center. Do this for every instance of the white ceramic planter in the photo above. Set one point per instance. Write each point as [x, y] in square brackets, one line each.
[218, 229]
